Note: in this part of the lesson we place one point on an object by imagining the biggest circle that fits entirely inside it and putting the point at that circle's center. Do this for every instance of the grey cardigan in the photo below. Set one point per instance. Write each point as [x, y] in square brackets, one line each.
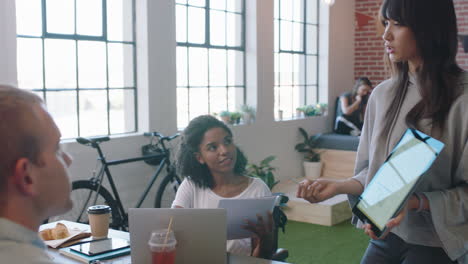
[445, 183]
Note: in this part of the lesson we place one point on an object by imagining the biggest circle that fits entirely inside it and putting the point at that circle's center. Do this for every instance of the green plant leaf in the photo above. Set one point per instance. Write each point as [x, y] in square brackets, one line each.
[267, 160]
[304, 133]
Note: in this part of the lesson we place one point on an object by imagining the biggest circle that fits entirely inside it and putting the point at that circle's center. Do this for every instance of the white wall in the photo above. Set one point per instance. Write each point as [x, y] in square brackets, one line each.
[156, 81]
[7, 43]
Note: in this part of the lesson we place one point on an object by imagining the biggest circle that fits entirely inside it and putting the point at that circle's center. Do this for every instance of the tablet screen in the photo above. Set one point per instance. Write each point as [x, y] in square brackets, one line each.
[397, 177]
[101, 246]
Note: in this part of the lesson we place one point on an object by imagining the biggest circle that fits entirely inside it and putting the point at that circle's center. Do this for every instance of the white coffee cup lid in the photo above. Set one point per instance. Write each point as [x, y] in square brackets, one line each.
[99, 209]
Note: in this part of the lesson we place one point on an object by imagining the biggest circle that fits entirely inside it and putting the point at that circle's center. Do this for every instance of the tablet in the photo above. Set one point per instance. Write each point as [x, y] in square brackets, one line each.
[97, 247]
[240, 209]
[396, 179]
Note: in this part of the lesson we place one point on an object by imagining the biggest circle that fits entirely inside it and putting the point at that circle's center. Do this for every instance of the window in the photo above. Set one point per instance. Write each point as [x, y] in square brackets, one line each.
[296, 55]
[78, 55]
[210, 57]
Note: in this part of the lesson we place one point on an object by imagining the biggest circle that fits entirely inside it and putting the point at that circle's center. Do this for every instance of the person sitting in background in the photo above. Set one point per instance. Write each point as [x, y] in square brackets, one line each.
[34, 181]
[352, 107]
[214, 169]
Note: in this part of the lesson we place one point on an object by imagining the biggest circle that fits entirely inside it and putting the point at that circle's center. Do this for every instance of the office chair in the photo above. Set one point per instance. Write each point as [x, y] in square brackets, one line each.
[280, 219]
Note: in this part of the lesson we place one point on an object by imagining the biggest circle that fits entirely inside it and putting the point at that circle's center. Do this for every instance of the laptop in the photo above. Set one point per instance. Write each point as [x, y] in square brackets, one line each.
[200, 233]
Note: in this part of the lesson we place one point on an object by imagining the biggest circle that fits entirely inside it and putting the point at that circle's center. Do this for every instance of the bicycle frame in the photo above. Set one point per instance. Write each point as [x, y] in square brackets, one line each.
[165, 162]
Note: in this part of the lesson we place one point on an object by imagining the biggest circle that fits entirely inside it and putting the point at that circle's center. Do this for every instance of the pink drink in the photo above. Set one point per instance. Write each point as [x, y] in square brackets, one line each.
[165, 257]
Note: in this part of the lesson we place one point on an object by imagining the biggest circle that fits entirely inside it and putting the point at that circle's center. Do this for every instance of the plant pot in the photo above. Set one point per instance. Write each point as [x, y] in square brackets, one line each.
[299, 114]
[247, 118]
[280, 114]
[312, 170]
[226, 119]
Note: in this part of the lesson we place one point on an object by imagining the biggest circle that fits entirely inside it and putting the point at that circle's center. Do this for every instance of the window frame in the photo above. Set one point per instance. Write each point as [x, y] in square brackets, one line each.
[304, 53]
[45, 35]
[208, 46]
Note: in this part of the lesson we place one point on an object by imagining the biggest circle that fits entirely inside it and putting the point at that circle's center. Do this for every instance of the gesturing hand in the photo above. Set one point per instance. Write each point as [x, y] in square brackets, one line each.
[263, 239]
[317, 190]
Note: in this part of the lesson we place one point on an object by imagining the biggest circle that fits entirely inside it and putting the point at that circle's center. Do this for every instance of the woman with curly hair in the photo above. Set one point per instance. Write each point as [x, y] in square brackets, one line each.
[214, 169]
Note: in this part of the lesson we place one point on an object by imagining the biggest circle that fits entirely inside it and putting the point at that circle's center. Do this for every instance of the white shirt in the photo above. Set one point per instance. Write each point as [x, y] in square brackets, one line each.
[191, 196]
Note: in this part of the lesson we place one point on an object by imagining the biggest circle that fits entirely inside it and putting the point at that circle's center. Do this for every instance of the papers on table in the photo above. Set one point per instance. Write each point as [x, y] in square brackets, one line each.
[75, 234]
[240, 209]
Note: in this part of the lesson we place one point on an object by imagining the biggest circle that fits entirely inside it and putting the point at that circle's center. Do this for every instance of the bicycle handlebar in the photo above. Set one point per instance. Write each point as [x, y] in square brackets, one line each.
[161, 136]
[95, 141]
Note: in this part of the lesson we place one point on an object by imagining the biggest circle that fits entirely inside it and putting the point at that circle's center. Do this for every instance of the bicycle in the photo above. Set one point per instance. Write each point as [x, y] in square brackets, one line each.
[91, 192]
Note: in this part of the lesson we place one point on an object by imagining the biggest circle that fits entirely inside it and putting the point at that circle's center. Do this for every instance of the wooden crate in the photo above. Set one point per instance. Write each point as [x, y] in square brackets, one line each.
[337, 164]
[329, 212]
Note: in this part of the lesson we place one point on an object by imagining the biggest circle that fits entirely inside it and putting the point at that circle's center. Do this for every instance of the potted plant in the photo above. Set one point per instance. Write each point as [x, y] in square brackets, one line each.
[248, 114]
[300, 111]
[312, 164]
[322, 108]
[235, 117]
[311, 110]
[225, 116]
[263, 171]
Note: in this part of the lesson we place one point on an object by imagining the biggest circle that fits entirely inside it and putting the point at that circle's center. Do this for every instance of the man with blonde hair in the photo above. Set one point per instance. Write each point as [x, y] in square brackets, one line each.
[34, 180]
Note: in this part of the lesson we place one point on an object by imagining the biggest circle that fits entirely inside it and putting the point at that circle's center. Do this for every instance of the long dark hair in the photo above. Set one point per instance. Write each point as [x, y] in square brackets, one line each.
[188, 165]
[434, 25]
[360, 81]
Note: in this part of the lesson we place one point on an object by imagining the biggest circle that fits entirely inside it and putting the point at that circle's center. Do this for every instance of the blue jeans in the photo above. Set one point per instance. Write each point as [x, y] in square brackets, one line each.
[392, 250]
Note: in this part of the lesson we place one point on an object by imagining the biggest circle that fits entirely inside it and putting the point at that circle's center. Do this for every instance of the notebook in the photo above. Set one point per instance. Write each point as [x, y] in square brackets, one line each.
[200, 233]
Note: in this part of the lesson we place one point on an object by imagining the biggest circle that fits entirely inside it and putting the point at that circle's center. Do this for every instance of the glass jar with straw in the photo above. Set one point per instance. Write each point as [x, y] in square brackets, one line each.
[163, 245]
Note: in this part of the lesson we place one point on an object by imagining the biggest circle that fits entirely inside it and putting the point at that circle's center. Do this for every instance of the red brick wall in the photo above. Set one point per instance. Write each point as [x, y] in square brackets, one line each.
[369, 50]
[461, 8]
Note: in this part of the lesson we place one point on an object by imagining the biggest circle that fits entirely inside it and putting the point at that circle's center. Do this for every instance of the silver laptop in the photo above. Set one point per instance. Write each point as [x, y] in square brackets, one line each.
[200, 233]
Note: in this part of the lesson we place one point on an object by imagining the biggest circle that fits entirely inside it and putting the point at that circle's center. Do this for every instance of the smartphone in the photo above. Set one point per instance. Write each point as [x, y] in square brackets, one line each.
[97, 247]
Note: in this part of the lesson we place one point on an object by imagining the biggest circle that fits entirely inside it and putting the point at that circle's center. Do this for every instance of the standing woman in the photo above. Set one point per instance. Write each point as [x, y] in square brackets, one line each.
[427, 91]
[214, 169]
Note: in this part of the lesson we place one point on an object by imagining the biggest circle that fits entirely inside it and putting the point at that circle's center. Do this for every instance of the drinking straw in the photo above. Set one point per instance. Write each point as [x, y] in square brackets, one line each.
[167, 233]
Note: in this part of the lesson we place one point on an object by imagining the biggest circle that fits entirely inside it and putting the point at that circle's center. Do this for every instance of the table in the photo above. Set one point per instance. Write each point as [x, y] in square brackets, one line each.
[59, 258]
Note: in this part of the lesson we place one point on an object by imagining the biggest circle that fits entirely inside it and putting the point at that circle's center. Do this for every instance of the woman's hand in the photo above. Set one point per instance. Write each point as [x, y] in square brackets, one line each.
[317, 190]
[263, 239]
[411, 204]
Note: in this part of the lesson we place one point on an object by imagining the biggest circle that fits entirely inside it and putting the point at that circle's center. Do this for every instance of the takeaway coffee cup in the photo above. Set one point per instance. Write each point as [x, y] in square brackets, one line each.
[162, 245]
[98, 216]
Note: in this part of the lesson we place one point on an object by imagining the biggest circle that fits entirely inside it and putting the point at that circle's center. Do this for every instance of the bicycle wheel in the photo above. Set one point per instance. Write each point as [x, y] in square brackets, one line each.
[167, 191]
[83, 195]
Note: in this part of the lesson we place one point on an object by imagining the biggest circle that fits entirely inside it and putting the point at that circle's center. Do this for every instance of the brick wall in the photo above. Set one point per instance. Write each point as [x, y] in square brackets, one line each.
[461, 8]
[369, 50]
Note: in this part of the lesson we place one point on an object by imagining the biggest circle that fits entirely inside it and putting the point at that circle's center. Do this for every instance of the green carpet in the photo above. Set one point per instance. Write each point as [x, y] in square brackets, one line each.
[315, 244]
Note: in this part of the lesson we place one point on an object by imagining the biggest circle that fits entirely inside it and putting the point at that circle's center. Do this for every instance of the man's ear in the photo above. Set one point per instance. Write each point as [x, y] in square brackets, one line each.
[199, 158]
[24, 179]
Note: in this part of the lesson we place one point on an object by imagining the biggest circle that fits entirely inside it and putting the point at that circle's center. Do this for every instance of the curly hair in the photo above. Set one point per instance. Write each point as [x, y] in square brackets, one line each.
[188, 165]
